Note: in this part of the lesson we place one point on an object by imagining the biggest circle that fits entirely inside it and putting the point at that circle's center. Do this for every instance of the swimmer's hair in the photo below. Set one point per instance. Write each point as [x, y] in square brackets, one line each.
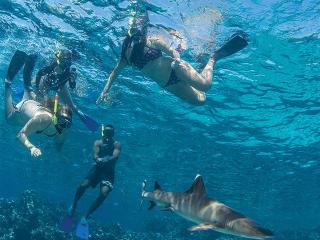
[141, 35]
[125, 45]
[64, 109]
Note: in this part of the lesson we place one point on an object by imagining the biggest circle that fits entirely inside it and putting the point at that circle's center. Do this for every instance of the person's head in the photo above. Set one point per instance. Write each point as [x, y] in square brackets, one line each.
[64, 58]
[64, 117]
[107, 132]
[133, 36]
[135, 31]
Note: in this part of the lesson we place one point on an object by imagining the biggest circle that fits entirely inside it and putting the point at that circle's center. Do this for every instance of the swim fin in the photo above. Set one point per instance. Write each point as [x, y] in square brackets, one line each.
[18, 93]
[66, 223]
[237, 42]
[91, 124]
[82, 230]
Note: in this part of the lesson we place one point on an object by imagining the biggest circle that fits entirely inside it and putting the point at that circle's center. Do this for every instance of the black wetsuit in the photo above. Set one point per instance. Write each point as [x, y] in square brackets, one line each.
[53, 80]
[103, 172]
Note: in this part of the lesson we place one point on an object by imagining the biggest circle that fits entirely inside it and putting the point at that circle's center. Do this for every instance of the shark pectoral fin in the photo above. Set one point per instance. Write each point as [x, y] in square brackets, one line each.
[152, 205]
[203, 226]
[141, 203]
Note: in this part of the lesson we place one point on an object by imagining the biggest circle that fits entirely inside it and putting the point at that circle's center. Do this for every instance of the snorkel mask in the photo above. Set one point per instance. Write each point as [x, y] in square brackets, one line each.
[63, 58]
[64, 120]
[107, 132]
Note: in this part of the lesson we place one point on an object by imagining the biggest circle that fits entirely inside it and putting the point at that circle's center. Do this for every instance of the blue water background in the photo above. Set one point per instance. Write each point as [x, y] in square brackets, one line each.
[255, 141]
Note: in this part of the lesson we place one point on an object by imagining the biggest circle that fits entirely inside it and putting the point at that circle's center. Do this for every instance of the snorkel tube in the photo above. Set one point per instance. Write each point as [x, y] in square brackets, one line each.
[55, 109]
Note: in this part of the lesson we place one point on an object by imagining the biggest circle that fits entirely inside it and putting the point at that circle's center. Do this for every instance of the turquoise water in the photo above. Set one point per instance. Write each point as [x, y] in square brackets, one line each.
[255, 141]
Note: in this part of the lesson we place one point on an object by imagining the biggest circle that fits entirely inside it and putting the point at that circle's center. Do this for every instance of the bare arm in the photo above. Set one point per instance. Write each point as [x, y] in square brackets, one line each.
[116, 152]
[96, 150]
[120, 65]
[37, 123]
[159, 43]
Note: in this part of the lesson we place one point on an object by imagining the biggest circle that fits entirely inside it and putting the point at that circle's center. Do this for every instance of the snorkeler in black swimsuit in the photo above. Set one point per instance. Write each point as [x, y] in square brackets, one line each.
[142, 54]
[162, 63]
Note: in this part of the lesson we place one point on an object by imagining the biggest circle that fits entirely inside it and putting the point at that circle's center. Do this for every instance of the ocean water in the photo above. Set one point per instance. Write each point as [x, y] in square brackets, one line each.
[255, 141]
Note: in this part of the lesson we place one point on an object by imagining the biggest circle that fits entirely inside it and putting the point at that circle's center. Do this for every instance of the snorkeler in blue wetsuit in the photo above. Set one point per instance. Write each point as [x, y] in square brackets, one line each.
[153, 56]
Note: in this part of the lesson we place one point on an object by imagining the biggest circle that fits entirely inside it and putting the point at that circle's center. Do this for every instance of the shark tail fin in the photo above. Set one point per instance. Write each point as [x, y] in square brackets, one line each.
[152, 205]
[157, 186]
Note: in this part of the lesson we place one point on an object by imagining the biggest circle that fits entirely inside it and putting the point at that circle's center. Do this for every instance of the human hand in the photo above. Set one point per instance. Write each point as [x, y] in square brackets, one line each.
[35, 152]
[99, 161]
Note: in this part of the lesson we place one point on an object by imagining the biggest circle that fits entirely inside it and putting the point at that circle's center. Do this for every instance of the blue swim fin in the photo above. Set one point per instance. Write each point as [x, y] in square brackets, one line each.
[66, 224]
[237, 42]
[91, 124]
[82, 230]
[18, 93]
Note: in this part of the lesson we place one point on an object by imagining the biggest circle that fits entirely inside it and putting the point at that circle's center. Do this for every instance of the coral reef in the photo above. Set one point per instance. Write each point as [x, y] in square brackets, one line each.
[31, 218]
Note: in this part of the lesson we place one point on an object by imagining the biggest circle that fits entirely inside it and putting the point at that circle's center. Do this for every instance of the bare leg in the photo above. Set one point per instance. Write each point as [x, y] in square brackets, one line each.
[9, 108]
[207, 72]
[187, 93]
[79, 193]
[104, 191]
[201, 81]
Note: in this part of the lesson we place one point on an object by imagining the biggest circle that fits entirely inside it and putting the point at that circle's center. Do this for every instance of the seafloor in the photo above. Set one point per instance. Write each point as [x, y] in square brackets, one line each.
[32, 218]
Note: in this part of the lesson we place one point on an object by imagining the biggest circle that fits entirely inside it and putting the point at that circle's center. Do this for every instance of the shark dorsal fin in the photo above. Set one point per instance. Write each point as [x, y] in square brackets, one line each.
[157, 186]
[197, 186]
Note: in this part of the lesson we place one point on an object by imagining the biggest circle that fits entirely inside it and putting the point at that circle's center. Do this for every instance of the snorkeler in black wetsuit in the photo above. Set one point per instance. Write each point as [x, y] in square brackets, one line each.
[106, 154]
[56, 74]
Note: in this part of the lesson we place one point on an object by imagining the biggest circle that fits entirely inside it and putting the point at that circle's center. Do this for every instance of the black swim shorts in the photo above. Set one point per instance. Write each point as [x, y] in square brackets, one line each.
[102, 175]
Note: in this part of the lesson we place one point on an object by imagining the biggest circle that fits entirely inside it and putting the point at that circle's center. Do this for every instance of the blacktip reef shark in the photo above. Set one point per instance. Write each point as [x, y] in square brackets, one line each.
[195, 206]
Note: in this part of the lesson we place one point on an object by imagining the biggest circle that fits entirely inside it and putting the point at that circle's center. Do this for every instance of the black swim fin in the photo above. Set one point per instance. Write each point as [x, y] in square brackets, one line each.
[16, 63]
[236, 42]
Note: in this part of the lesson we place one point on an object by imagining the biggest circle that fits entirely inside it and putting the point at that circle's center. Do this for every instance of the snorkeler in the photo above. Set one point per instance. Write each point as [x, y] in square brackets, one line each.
[54, 76]
[106, 152]
[162, 63]
[34, 116]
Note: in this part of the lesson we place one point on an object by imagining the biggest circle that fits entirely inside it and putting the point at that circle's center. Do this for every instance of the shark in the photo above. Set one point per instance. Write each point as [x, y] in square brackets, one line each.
[208, 214]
